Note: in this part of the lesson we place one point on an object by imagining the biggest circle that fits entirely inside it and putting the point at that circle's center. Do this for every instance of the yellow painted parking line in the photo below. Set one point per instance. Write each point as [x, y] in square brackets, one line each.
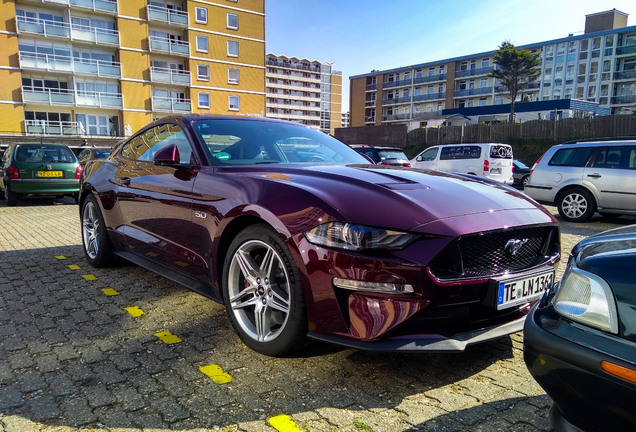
[284, 423]
[216, 374]
[109, 291]
[74, 267]
[60, 257]
[168, 337]
[135, 311]
[181, 263]
[89, 277]
[152, 254]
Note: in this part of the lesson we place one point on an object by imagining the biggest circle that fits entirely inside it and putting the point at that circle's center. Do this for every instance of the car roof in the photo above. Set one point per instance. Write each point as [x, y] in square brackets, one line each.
[604, 140]
[374, 147]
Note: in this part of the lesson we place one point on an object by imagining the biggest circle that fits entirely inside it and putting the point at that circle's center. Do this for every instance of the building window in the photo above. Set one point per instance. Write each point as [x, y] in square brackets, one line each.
[483, 83]
[202, 43]
[485, 62]
[203, 72]
[233, 76]
[201, 15]
[232, 49]
[483, 101]
[204, 100]
[232, 21]
[234, 103]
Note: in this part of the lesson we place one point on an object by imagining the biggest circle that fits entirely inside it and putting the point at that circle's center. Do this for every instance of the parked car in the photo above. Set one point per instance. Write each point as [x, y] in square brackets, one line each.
[335, 249]
[583, 177]
[580, 340]
[93, 153]
[490, 160]
[38, 169]
[383, 155]
[520, 172]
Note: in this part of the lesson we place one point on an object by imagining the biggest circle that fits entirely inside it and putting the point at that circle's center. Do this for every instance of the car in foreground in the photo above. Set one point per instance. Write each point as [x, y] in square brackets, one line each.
[38, 169]
[91, 153]
[583, 177]
[520, 173]
[383, 155]
[580, 340]
[297, 246]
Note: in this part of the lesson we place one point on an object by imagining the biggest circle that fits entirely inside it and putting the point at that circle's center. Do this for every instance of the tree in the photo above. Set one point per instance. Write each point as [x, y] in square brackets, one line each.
[515, 68]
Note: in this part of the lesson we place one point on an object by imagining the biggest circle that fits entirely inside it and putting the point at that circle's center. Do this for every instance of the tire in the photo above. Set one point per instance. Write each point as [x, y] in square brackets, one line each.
[262, 293]
[524, 180]
[97, 245]
[10, 197]
[576, 205]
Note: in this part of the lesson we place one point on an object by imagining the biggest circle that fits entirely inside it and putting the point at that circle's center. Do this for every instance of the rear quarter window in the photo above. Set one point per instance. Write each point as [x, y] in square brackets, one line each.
[571, 157]
[460, 152]
[501, 152]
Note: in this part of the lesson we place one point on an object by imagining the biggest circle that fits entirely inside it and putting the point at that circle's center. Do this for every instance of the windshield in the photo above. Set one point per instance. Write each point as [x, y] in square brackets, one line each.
[43, 153]
[242, 142]
[392, 154]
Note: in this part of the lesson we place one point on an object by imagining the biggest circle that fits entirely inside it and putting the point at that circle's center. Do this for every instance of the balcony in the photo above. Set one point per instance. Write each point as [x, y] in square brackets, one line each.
[64, 30]
[45, 127]
[289, 65]
[474, 72]
[472, 92]
[371, 87]
[370, 103]
[401, 83]
[394, 117]
[165, 15]
[620, 100]
[429, 78]
[369, 119]
[96, 5]
[628, 49]
[169, 76]
[71, 97]
[393, 101]
[56, 63]
[628, 74]
[171, 46]
[174, 105]
[429, 96]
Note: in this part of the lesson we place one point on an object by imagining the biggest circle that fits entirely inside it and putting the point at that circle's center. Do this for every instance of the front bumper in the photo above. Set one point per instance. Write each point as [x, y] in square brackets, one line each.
[565, 359]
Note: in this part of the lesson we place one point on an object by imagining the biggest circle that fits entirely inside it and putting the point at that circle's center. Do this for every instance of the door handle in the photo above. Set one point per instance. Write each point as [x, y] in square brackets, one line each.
[595, 175]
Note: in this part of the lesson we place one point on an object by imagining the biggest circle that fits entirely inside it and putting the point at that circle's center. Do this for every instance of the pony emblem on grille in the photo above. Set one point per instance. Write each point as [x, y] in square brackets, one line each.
[514, 245]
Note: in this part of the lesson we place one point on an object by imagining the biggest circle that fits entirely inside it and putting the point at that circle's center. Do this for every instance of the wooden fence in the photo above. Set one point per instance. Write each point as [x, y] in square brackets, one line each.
[554, 131]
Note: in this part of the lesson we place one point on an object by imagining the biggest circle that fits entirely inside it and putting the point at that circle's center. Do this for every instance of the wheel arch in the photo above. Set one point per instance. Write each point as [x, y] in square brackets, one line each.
[572, 187]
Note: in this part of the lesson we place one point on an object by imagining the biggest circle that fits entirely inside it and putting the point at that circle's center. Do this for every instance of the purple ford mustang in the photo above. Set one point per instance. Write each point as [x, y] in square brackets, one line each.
[300, 237]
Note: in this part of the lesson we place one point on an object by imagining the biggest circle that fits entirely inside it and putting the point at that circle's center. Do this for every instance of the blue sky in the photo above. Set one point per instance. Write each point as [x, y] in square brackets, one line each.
[361, 35]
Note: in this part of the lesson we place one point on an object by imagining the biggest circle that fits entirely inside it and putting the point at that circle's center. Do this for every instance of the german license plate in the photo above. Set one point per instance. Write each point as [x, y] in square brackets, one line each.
[514, 292]
[48, 173]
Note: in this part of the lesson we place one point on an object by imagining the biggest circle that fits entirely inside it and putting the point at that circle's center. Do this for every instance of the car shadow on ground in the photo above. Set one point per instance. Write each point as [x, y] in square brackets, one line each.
[71, 355]
[39, 201]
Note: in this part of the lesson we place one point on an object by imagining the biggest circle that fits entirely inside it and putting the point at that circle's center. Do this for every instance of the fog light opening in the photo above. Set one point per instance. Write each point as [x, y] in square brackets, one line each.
[383, 287]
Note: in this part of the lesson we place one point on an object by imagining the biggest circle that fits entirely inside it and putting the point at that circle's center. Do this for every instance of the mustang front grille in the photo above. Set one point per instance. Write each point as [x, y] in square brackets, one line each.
[497, 252]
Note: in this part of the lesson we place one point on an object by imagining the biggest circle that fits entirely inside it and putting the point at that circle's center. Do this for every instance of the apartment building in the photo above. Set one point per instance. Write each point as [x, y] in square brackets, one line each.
[108, 67]
[598, 67]
[304, 91]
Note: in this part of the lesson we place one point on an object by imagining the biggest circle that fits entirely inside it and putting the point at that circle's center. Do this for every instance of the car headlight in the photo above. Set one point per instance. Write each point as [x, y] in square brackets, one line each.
[348, 236]
[588, 299]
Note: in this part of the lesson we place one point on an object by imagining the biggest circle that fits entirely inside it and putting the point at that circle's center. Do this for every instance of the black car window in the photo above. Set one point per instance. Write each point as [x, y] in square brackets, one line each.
[616, 158]
[429, 154]
[572, 157]
[460, 152]
[144, 145]
[44, 154]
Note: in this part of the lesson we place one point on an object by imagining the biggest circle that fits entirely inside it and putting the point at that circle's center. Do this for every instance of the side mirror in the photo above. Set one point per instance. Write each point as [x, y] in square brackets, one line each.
[419, 159]
[168, 155]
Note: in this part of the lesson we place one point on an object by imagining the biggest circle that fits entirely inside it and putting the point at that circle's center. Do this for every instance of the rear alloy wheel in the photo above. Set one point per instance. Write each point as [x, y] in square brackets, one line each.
[576, 205]
[10, 197]
[97, 246]
[262, 294]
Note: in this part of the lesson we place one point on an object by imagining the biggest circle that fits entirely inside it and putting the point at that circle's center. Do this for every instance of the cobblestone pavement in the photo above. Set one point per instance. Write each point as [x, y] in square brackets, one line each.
[73, 358]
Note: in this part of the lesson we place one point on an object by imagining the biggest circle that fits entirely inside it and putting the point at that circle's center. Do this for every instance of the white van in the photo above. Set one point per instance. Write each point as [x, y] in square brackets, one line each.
[490, 160]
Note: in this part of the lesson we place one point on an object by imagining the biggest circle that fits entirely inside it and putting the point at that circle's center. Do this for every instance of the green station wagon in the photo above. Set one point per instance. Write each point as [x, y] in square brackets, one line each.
[39, 169]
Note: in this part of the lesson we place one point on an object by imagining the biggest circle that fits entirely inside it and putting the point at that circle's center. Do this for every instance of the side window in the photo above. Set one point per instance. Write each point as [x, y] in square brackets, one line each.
[616, 158]
[429, 154]
[460, 152]
[143, 146]
[572, 157]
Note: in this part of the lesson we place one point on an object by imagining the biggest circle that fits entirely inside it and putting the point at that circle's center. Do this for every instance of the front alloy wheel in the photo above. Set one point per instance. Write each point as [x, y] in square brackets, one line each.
[97, 246]
[262, 295]
[576, 205]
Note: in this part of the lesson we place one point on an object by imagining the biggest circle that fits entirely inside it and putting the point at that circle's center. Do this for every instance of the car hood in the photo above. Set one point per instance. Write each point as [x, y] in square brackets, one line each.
[408, 199]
